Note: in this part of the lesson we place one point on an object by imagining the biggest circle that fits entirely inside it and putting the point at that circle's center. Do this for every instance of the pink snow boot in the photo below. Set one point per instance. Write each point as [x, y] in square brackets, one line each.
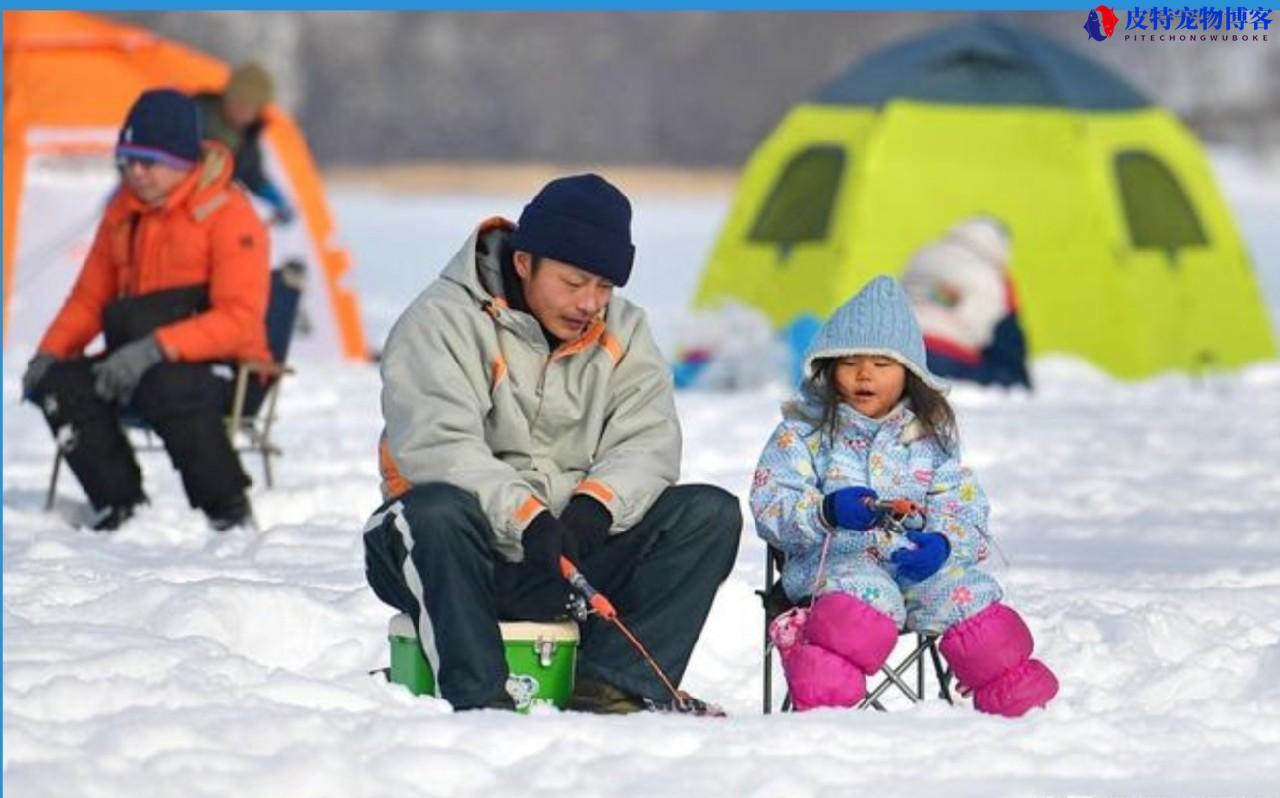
[853, 629]
[827, 651]
[990, 654]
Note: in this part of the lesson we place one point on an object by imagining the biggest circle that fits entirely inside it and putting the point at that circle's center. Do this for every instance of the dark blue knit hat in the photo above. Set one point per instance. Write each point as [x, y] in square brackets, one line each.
[581, 220]
[163, 125]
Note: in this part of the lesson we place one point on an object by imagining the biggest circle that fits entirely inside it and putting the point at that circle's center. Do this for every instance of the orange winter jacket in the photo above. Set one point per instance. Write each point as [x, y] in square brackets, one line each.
[207, 232]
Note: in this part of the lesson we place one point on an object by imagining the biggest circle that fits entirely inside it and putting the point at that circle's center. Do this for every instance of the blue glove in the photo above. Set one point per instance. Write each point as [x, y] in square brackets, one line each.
[918, 564]
[850, 508]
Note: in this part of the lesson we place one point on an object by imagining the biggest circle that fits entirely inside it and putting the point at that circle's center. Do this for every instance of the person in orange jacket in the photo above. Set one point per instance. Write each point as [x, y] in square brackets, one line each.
[176, 281]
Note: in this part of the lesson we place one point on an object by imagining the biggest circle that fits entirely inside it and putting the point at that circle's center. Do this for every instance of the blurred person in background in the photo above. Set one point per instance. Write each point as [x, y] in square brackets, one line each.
[236, 117]
[176, 281]
[962, 294]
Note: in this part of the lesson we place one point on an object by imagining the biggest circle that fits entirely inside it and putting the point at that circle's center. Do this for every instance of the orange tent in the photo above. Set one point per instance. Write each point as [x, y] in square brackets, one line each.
[69, 79]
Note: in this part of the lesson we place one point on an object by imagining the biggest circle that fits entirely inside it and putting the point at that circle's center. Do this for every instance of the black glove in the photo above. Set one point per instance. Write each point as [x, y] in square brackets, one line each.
[589, 520]
[37, 367]
[545, 539]
[117, 377]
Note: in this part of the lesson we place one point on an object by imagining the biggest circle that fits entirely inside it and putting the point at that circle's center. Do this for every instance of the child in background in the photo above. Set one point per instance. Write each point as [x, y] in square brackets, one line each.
[962, 295]
[871, 421]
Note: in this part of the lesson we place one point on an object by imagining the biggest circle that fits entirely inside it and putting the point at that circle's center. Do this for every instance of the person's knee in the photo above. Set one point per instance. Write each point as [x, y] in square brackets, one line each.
[716, 517]
[710, 504]
[442, 516]
[870, 584]
[384, 557]
[65, 378]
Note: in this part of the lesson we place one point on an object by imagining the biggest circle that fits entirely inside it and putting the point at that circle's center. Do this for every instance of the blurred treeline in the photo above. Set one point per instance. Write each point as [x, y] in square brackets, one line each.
[682, 88]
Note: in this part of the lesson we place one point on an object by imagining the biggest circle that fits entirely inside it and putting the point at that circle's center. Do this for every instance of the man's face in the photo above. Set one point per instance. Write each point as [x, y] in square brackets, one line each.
[563, 298]
[152, 181]
[240, 115]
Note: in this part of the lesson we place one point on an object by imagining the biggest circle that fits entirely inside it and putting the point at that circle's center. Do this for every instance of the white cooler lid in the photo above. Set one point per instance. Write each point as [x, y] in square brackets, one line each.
[401, 625]
[562, 631]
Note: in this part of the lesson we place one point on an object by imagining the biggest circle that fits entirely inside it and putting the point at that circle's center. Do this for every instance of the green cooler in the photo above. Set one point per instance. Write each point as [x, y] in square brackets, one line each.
[541, 658]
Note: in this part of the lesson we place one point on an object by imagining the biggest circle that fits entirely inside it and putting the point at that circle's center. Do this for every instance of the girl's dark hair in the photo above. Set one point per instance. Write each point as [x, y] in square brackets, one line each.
[930, 407]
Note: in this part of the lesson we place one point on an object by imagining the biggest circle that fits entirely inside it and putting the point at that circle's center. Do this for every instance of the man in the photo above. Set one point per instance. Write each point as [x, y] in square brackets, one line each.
[235, 118]
[177, 279]
[961, 292]
[529, 415]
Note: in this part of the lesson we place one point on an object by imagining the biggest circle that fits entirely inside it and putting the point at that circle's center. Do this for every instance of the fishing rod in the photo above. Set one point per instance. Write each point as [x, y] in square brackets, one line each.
[900, 515]
[588, 596]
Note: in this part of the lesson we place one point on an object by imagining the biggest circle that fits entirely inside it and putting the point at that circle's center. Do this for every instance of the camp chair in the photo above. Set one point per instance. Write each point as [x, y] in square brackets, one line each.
[247, 425]
[776, 602]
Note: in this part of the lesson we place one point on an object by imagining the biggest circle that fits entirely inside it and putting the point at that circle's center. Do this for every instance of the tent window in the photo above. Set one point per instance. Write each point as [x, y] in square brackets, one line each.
[800, 204]
[1159, 214]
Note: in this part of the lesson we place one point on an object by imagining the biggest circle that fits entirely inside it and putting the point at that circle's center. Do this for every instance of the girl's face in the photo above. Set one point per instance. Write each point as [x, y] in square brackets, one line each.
[870, 384]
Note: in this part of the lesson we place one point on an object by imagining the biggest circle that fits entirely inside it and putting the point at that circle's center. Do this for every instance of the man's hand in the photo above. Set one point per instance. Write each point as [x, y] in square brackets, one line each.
[851, 508]
[589, 520]
[37, 367]
[545, 539]
[117, 377]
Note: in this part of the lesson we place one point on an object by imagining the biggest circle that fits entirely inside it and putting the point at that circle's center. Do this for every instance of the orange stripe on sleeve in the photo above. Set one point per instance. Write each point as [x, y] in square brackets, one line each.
[393, 482]
[530, 508]
[596, 490]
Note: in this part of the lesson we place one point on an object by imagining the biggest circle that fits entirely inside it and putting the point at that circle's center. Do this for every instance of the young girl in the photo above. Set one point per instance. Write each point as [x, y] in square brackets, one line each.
[871, 422]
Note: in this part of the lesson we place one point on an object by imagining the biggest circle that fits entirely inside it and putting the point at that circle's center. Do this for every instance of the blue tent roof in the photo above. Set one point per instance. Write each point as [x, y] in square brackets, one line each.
[982, 63]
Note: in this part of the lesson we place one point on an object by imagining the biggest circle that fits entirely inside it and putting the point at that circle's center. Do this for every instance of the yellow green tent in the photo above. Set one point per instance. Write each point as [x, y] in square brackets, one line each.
[1124, 251]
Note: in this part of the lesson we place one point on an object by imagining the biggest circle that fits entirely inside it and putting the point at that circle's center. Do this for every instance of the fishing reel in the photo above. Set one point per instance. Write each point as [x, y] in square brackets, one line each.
[899, 516]
[578, 608]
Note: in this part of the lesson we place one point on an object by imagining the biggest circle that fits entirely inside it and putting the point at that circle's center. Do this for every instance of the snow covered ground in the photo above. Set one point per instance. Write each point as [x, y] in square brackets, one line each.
[1142, 522]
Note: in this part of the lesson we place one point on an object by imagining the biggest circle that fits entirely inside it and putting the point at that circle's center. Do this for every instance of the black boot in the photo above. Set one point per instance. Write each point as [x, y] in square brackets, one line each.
[235, 512]
[110, 518]
[602, 698]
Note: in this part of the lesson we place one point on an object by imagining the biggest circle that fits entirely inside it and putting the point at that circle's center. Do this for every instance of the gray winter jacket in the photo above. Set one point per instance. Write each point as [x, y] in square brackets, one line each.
[473, 396]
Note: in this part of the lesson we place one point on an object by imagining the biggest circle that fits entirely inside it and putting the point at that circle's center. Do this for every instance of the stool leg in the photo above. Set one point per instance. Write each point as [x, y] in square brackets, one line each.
[893, 678]
[53, 479]
[922, 641]
[943, 674]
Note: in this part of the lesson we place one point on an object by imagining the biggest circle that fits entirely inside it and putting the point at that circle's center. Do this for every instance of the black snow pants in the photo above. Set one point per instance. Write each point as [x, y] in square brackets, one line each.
[184, 403]
[430, 553]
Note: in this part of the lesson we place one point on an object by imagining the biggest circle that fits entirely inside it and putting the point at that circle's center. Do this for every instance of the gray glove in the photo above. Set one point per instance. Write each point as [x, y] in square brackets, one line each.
[118, 375]
[37, 367]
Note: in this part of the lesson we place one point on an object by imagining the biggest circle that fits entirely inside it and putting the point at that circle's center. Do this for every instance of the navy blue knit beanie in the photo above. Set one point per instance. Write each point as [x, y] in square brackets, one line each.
[163, 125]
[581, 220]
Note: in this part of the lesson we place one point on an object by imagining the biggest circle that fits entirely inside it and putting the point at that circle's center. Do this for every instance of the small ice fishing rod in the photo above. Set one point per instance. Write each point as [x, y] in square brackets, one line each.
[605, 609]
[900, 515]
